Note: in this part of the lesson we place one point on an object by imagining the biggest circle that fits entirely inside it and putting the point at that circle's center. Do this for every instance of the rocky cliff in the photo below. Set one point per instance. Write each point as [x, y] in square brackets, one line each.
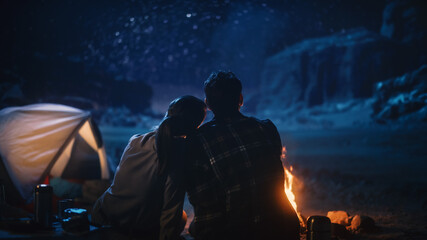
[333, 80]
[330, 69]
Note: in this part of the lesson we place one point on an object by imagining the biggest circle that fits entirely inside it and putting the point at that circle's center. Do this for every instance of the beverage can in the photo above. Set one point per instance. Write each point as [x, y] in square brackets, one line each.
[319, 228]
[43, 205]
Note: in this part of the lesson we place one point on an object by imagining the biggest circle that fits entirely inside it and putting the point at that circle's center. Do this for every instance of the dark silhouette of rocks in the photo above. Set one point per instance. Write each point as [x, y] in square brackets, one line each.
[352, 68]
[406, 21]
[65, 81]
[403, 97]
[330, 69]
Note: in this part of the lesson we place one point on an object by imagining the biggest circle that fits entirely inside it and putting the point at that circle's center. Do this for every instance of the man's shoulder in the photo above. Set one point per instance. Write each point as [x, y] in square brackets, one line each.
[264, 122]
[212, 124]
[245, 124]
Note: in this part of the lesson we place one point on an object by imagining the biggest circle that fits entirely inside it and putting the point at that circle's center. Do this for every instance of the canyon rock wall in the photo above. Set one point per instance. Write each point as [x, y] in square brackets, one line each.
[330, 69]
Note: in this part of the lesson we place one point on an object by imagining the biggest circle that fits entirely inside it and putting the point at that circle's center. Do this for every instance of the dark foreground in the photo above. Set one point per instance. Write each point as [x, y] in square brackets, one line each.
[374, 172]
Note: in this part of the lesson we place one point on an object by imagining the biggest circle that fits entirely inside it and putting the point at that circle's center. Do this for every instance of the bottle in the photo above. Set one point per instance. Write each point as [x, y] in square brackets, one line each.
[2, 201]
[43, 205]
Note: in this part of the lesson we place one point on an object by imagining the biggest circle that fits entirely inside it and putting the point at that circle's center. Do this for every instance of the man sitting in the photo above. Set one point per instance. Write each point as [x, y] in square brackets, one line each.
[235, 175]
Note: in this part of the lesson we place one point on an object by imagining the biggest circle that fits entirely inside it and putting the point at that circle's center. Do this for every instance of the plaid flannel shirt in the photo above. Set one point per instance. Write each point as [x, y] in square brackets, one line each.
[235, 175]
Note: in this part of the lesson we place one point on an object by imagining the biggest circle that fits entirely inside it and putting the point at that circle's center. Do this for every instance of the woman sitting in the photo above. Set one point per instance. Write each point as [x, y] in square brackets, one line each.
[146, 197]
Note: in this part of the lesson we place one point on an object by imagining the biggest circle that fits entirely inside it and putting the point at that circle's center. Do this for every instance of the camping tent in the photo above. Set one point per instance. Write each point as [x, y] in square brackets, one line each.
[49, 139]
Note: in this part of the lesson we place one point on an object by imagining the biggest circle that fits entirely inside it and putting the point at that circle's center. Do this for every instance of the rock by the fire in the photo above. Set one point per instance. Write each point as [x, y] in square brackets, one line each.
[339, 217]
[362, 224]
[339, 231]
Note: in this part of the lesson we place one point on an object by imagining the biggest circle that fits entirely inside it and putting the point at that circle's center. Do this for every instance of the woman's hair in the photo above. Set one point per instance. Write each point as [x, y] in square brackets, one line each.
[183, 117]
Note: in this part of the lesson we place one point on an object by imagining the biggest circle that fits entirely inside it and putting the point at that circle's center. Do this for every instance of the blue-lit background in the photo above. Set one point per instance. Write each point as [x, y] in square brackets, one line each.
[290, 55]
[344, 81]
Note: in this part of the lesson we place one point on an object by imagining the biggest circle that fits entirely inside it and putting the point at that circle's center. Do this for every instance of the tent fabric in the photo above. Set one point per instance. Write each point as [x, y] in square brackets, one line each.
[82, 161]
[41, 139]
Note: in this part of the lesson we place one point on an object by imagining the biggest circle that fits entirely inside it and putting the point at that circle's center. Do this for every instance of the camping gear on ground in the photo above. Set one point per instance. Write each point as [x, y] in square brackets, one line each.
[75, 220]
[319, 228]
[43, 140]
[63, 205]
[43, 205]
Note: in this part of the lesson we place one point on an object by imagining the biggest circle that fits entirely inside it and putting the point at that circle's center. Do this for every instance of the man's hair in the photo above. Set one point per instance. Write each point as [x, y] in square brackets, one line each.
[222, 90]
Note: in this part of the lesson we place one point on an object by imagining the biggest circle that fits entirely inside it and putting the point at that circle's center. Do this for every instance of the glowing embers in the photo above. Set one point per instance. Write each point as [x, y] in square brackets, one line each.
[289, 179]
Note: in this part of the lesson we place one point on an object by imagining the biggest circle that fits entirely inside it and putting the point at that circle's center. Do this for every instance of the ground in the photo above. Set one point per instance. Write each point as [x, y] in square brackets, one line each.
[373, 171]
[378, 172]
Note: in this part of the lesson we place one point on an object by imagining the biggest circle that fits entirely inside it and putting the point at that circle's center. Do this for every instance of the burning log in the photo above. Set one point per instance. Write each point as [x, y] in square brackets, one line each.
[339, 224]
[289, 178]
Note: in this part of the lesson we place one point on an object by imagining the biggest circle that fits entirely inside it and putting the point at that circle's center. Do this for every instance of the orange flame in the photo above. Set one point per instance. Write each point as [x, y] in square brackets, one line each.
[289, 179]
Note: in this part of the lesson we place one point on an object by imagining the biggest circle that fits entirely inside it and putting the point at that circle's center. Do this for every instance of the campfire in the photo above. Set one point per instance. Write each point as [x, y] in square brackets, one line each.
[337, 223]
[289, 178]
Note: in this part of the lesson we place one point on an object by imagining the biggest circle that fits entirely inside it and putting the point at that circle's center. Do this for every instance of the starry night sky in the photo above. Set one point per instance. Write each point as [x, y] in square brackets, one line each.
[177, 42]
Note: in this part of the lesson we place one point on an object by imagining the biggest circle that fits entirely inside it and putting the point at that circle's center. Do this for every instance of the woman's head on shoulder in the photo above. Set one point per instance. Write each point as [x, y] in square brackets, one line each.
[186, 114]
